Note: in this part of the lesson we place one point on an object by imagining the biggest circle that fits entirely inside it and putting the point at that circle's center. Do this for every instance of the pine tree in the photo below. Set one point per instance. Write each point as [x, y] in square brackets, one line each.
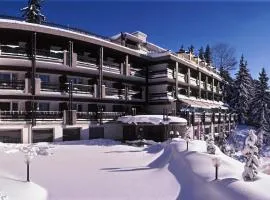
[260, 100]
[208, 54]
[201, 53]
[242, 92]
[32, 13]
[191, 49]
[228, 89]
[182, 50]
[252, 161]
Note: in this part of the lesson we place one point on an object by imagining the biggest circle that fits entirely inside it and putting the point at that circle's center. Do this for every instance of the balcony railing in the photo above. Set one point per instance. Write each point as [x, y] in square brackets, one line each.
[115, 93]
[111, 67]
[83, 89]
[137, 72]
[17, 51]
[193, 81]
[134, 94]
[13, 50]
[26, 116]
[50, 54]
[181, 77]
[50, 87]
[87, 61]
[99, 115]
[12, 85]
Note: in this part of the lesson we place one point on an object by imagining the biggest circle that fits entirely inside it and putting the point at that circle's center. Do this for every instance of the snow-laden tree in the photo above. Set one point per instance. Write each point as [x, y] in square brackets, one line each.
[251, 153]
[227, 86]
[210, 144]
[259, 142]
[208, 54]
[32, 12]
[191, 49]
[243, 90]
[3, 196]
[260, 101]
[201, 53]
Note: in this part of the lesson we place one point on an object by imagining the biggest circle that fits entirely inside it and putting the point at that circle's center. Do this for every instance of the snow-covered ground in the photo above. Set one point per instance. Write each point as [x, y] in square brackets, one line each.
[104, 169]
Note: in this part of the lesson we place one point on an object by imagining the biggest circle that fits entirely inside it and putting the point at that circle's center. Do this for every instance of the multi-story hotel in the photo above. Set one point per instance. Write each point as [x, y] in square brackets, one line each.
[44, 69]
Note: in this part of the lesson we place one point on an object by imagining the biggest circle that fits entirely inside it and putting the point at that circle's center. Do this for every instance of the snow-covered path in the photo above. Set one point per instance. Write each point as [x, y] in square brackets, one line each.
[113, 171]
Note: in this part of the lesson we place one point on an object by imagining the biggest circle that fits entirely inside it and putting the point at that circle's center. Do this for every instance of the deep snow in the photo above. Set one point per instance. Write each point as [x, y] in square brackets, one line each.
[104, 169]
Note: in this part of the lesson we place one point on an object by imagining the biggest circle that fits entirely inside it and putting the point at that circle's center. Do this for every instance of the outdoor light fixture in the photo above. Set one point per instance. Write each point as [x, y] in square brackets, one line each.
[216, 163]
[171, 133]
[133, 111]
[187, 140]
[28, 158]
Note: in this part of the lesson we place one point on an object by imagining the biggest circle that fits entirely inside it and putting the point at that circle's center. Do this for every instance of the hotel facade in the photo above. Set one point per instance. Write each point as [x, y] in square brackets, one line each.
[59, 83]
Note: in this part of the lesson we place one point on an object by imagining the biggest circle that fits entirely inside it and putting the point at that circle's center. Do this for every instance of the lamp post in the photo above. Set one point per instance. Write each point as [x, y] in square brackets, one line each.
[171, 133]
[216, 162]
[187, 140]
[28, 157]
[101, 112]
[133, 111]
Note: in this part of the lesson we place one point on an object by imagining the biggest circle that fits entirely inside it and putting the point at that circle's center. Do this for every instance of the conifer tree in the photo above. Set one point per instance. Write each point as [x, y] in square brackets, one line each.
[182, 50]
[191, 49]
[208, 54]
[228, 86]
[260, 100]
[32, 13]
[201, 53]
[242, 92]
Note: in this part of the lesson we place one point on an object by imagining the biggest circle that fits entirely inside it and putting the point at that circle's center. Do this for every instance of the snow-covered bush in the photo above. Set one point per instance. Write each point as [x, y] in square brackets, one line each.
[3, 196]
[251, 153]
[259, 142]
[210, 144]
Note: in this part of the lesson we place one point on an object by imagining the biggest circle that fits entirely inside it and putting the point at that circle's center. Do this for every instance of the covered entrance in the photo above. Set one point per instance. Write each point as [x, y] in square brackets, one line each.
[11, 136]
[42, 135]
[70, 134]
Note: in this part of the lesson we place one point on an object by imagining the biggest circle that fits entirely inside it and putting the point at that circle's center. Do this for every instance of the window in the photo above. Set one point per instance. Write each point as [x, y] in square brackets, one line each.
[44, 106]
[75, 80]
[5, 77]
[44, 78]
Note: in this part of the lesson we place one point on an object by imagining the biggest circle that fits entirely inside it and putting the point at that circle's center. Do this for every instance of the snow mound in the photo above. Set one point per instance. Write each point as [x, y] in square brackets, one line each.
[195, 174]
[152, 119]
[16, 189]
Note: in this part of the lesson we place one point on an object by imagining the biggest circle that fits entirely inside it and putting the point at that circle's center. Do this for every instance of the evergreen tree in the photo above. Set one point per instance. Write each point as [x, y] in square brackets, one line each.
[32, 13]
[260, 100]
[201, 53]
[208, 54]
[242, 92]
[252, 161]
[182, 50]
[228, 86]
[191, 49]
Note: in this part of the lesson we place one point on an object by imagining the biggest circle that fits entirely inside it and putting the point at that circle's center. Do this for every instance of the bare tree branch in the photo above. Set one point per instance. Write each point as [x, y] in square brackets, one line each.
[224, 56]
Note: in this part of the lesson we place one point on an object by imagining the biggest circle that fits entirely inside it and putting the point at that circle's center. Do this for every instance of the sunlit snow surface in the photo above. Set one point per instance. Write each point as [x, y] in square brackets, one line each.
[105, 169]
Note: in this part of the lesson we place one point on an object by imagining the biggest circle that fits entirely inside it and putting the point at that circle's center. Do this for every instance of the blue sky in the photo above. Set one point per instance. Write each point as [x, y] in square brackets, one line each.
[244, 25]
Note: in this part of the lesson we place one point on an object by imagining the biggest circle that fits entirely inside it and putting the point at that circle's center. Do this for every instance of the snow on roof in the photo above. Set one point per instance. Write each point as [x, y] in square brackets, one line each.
[152, 119]
[202, 103]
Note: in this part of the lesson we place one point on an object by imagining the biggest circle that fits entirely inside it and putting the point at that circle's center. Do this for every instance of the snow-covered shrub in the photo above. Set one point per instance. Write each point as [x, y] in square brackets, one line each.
[259, 142]
[210, 144]
[228, 149]
[3, 196]
[251, 153]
